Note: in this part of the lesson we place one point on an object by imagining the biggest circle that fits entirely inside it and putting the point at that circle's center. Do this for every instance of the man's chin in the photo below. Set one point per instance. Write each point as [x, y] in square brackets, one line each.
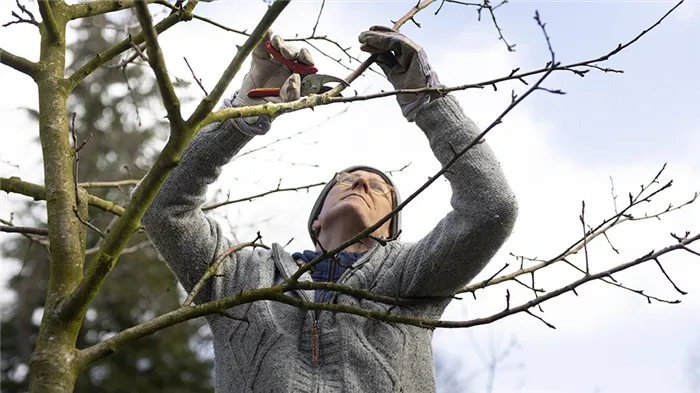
[352, 209]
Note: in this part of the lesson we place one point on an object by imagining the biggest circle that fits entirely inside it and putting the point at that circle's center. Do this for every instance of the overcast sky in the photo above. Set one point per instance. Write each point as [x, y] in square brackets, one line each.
[556, 151]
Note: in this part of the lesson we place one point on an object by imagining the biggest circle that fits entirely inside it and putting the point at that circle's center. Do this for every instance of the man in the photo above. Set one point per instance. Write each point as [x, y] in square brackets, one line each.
[280, 348]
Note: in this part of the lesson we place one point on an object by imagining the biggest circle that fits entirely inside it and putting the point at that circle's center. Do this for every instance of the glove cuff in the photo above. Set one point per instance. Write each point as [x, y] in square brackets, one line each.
[411, 109]
[251, 126]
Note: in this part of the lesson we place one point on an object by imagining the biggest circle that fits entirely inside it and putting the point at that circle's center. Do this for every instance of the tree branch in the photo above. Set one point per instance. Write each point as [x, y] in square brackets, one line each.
[157, 62]
[19, 63]
[203, 19]
[109, 54]
[98, 7]
[607, 224]
[109, 184]
[52, 31]
[250, 198]
[276, 293]
[18, 186]
[44, 243]
[24, 10]
[215, 266]
[207, 104]
[104, 260]
[28, 230]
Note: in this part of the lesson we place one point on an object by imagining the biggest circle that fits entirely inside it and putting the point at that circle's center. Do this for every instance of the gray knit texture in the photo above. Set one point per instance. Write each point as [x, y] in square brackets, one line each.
[272, 351]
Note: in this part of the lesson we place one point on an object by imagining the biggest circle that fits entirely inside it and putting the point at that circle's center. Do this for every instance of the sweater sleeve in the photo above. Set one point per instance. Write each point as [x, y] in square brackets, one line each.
[483, 215]
[188, 240]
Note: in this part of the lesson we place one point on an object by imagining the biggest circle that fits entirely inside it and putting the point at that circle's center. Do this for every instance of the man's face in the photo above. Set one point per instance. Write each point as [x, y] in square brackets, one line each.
[356, 205]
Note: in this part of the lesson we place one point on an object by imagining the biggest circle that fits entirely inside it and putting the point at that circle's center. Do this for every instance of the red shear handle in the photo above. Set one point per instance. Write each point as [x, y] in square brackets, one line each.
[293, 65]
[264, 92]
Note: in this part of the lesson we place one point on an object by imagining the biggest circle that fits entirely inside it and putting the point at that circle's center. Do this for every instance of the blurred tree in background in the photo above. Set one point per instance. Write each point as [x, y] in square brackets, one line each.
[140, 287]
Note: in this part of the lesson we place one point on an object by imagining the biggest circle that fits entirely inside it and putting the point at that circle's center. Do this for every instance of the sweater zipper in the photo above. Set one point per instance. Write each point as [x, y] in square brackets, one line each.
[315, 342]
[331, 276]
[315, 346]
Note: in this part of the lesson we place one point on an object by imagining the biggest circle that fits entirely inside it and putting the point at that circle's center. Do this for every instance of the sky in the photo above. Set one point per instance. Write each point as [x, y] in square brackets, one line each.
[556, 150]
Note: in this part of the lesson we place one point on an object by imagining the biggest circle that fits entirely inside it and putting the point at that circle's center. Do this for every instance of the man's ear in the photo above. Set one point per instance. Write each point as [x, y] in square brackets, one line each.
[316, 226]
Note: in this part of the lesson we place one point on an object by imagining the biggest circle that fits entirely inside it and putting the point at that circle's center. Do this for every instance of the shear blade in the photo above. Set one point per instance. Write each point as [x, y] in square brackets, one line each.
[314, 83]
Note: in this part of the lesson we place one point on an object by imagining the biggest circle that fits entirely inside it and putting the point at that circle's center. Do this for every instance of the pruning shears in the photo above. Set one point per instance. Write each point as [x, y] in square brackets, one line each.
[311, 81]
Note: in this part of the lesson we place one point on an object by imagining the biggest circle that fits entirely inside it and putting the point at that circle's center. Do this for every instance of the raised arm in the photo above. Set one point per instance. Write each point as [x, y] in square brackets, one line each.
[484, 206]
[188, 240]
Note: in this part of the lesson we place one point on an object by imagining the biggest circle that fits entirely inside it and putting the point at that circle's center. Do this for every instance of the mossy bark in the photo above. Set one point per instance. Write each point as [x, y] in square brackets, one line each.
[52, 366]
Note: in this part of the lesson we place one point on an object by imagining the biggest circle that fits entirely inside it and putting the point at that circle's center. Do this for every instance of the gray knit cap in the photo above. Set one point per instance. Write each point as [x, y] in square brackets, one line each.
[396, 200]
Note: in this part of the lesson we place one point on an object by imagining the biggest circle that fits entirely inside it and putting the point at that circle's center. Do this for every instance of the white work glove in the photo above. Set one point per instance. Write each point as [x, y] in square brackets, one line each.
[266, 71]
[405, 64]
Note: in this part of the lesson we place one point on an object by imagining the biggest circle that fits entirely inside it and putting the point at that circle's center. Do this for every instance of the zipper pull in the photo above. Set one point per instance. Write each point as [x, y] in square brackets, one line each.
[315, 346]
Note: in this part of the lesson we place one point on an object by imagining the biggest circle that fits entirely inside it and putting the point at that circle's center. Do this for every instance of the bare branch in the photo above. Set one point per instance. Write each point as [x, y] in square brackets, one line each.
[318, 18]
[18, 63]
[109, 184]
[24, 10]
[266, 146]
[27, 230]
[251, 198]
[52, 31]
[88, 355]
[207, 104]
[109, 54]
[585, 234]
[87, 224]
[39, 239]
[691, 251]
[17, 186]
[549, 325]
[614, 283]
[207, 20]
[615, 220]
[198, 80]
[98, 7]
[157, 62]
[669, 278]
[215, 267]
[392, 171]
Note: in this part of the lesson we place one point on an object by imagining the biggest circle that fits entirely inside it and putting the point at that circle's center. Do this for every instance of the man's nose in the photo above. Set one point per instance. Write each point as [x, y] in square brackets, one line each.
[362, 182]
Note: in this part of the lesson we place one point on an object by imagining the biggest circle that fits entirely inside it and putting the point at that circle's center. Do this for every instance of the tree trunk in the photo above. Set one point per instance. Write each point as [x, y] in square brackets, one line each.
[53, 367]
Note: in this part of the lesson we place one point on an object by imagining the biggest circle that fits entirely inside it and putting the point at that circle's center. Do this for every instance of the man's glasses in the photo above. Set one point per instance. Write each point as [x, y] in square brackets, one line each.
[376, 186]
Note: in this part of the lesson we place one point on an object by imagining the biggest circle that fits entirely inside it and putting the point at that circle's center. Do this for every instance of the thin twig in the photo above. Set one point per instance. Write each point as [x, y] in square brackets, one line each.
[76, 158]
[607, 224]
[315, 126]
[318, 18]
[94, 228]
[215, 267]
[27, 230]
[109, 184]
[669, 278]
[31, 20]
[199, 81]
[250, 198]
[585, 234]
[541, 319]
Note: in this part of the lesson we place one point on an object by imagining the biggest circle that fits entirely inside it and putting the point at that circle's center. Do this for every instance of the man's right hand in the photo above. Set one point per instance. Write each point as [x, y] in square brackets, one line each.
[266, 71]
[404, 63]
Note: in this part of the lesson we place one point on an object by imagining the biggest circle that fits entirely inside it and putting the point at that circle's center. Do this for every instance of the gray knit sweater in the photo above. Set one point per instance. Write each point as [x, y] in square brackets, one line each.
[272, 352]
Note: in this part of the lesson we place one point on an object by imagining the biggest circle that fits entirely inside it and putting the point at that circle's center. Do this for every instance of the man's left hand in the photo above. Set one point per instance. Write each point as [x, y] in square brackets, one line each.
[405, 64]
